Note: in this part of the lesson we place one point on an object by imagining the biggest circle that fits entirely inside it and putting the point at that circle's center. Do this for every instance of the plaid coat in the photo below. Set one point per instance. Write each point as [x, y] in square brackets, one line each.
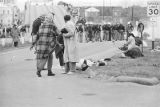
[47, 40]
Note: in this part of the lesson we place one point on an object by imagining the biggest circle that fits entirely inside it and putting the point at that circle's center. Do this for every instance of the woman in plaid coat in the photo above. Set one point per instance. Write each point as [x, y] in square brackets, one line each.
[45, 45]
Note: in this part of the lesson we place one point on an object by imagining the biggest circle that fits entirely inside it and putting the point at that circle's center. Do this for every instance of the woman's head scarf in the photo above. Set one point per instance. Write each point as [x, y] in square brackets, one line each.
[49, 18]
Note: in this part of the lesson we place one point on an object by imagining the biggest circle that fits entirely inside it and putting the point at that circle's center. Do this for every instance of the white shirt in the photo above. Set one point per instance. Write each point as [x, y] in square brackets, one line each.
[131, 42]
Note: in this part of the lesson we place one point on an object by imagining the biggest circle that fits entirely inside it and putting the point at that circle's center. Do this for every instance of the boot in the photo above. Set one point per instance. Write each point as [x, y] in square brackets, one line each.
[39, 73]
[50, 73]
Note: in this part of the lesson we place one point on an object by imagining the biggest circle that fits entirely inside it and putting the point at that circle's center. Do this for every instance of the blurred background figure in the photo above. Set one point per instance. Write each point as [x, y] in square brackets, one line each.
[15, 34]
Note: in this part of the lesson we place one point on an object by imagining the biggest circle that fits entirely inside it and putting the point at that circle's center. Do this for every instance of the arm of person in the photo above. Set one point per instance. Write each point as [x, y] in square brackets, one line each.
[54, 32]
[34, 41]
[129, 41]
[71, 29]
[69, 34]
[57, 41]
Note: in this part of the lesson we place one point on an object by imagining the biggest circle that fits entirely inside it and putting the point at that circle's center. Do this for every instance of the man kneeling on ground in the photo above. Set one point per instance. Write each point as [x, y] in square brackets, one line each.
[131, 48]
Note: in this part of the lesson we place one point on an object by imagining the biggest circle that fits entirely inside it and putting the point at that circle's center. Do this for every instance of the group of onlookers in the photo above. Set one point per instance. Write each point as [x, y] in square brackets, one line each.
[132, 46]
[108, 32]
[5, 32]
[13, 32]
[48, 39]
[97, 32]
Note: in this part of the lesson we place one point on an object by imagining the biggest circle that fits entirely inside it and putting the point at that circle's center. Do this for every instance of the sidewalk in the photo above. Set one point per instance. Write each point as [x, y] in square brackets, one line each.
[10, 48]
[7, 44]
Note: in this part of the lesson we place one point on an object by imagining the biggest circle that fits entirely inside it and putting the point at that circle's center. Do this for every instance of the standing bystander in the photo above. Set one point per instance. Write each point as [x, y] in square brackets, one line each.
[15, 34]
[70, 43]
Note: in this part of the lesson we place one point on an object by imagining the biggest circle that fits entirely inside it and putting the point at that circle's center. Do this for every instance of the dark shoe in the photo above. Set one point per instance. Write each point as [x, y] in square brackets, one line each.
[39, 74]
[50, 73]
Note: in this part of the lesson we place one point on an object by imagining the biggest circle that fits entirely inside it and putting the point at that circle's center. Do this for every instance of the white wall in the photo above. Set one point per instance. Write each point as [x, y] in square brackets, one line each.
[6, 15]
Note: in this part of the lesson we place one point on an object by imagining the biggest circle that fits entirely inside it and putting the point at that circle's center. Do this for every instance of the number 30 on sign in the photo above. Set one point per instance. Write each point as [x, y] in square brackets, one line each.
[153, 8]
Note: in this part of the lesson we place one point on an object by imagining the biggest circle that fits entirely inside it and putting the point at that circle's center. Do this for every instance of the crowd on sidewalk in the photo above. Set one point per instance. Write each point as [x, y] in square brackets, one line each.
[14, 32]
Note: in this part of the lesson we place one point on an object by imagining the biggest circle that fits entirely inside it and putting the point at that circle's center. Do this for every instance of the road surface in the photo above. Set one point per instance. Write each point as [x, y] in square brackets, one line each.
[20, 87]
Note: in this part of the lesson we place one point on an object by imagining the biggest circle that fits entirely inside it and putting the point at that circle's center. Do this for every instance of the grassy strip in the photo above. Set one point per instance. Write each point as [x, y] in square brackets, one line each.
[146, 67]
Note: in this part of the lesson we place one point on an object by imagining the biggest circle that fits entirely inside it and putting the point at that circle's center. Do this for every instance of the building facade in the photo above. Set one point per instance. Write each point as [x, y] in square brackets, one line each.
[8, 1]
[6, 15]
[9, 12]
[117, 15]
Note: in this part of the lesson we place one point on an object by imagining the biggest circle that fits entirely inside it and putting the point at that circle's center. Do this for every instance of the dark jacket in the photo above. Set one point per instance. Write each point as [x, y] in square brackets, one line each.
[59, 49]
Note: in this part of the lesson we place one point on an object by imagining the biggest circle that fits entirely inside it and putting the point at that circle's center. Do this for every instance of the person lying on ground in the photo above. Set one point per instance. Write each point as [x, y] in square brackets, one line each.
[84, 64]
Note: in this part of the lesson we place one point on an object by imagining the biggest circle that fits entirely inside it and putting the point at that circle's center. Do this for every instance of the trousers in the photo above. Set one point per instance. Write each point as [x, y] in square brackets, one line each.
[61, 59]
[70, 67]
[41, 63]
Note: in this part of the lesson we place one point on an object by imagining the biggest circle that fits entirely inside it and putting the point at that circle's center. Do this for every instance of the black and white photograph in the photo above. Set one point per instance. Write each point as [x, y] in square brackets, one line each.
[79, 53]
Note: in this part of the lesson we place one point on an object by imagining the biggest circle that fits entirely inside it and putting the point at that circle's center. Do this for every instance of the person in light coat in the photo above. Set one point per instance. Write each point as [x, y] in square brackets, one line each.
[70, 44]
[15, 33]
[131, 48]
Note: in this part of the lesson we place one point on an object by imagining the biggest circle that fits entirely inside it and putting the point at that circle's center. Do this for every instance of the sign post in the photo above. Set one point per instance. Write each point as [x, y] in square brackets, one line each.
[153, 10]
[140, 29]
[153, 36]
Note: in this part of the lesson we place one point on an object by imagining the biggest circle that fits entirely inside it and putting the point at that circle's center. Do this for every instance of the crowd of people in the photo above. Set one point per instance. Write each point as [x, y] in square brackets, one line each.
[49, 39]
[15, 32]
[99, 32]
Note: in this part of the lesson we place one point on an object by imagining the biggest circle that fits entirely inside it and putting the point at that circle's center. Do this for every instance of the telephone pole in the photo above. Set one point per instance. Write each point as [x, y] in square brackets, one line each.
[103, 10]
[132, 13]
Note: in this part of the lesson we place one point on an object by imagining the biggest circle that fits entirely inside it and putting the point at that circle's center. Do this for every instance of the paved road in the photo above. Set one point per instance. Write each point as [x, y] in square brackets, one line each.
[21, 88]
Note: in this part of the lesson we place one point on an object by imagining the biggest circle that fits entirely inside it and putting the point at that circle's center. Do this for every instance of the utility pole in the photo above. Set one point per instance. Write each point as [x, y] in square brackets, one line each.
[103, 10]
[132, 13]
[111, 11]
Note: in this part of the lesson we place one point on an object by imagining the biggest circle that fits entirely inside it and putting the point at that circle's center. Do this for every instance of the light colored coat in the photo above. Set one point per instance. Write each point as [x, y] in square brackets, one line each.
[15, 34]
[70, 43]
[131, 42]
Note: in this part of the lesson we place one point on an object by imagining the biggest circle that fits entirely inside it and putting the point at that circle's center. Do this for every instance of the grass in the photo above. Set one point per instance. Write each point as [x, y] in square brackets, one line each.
[147, 67]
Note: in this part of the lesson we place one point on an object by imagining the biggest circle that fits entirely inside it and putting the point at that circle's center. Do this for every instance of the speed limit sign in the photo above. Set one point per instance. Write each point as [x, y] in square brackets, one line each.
[153, 8]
